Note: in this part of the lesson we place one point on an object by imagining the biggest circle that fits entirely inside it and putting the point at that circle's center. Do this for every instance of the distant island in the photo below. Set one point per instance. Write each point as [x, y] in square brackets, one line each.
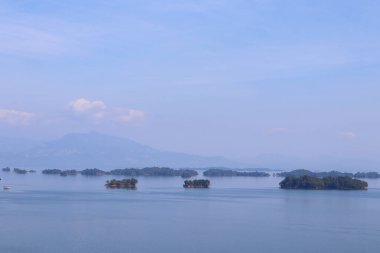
[19, 171]
[148, 171]
[188, 173]
[233, 173]
[51, 172]
[333, 173]
[367, 175]
[325, 183]
[68, 173]
[197, 183]
[155, 171]
[301, 172]
[122, 184]
[94, 172]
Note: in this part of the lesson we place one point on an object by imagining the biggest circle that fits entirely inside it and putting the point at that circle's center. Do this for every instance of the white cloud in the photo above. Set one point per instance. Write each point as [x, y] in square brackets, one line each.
[83, 105]
[99, 111]
[350, 135]
[15, 117]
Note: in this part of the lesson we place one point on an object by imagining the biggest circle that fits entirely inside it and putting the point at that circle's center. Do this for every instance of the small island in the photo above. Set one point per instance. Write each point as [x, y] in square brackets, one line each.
[232, 173]
[197, 183]
[19, 171]
[93, 172]
[6, 169]
[65, 173]
[122, 184]
[325, 183]
[51, 172]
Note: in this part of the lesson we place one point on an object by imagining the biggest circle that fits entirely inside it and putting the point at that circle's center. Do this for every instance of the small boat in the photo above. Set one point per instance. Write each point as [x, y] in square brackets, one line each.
[6, 188]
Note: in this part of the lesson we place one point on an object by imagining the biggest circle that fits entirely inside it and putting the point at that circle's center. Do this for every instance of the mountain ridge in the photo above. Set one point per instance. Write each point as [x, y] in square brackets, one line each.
[88, 150]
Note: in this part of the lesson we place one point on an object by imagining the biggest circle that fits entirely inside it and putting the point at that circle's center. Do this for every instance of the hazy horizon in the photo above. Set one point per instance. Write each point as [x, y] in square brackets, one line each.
[270, 83]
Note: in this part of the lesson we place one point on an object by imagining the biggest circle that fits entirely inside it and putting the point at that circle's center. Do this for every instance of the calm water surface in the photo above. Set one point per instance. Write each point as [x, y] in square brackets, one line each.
[45, 213]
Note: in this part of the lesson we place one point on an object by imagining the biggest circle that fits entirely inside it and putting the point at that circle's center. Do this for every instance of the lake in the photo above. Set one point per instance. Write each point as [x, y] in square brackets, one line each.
[47, 213]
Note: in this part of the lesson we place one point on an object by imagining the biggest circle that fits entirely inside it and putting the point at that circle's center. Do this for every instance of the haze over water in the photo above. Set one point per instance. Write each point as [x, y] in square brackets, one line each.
[43, 213]
[110, 84]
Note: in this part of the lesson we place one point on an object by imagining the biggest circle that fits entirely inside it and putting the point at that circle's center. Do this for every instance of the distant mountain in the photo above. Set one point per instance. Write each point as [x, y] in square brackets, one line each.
[78, 151]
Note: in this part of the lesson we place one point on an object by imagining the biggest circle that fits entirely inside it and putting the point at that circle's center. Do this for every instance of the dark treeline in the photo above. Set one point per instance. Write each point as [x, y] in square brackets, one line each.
[325, 183]
[233, 173]
[155, 171]
[333, 173]
[123, 184]
[367, 175]
[149, 171]
[20, 171]
[6, 169]
[198, 183]
[187, 173]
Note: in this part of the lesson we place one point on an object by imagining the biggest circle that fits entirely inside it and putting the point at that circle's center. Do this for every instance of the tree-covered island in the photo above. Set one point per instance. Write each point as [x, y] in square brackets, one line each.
[232, 173]
[367, 175]
[20, 171]
[197, 183]
[122, 184]
[51, 172]
[302, 172]
[325, 183]
[68, 173]
[129, 172]
[155, 172]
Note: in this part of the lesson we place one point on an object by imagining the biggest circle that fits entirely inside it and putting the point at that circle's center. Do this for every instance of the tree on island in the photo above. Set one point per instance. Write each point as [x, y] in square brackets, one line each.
[197, 183]
[124, 183]
[326, 183]
[233, 173]
[20, 171]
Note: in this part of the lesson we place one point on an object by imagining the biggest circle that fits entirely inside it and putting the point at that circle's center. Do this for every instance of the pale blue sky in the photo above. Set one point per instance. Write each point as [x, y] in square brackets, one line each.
[267, 82]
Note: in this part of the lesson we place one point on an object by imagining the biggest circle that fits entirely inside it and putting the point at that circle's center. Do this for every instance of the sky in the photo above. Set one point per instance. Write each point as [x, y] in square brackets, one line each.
[267, 82]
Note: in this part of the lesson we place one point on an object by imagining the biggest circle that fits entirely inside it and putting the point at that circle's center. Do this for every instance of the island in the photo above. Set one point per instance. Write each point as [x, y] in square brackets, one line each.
[325, 183]
[155, 172]
[68, 173]
[6, 169]
[302, 172]
[122, 184]
[51, 172]
[197, 183]
[128, 172]
[20, 171]
[367, 175]
[94, 172]
[232, 173]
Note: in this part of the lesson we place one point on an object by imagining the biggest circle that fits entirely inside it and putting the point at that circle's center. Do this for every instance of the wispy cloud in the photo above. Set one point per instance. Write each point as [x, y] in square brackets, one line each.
[124, 115]
[348, 134]
[24, 34]
[190, 6]
[14, 117]
[21, 39]
[97, 110]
